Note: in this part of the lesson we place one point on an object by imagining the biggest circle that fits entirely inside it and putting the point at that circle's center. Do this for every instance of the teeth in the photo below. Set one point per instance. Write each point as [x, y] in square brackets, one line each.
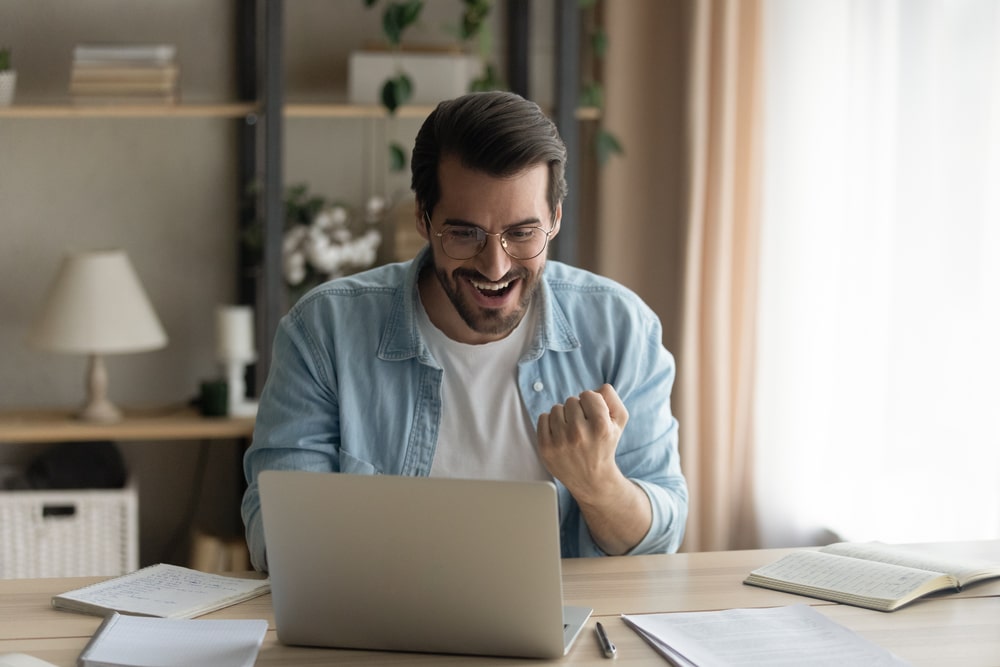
[493, 287]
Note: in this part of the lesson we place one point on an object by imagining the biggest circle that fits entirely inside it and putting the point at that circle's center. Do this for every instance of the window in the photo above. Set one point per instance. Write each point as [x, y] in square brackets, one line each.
[878, 388]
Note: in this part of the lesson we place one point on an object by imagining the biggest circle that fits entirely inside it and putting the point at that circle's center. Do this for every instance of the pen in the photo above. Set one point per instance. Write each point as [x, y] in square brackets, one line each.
[606, 645]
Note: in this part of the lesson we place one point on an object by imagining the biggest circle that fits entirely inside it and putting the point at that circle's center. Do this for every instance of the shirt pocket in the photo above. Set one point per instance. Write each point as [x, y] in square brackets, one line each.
[352, 464]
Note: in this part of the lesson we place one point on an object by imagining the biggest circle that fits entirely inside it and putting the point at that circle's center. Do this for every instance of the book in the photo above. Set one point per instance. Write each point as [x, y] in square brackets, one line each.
[873, 575]
[124, 53]
[134, 641]
[94, 75]
[167, 591]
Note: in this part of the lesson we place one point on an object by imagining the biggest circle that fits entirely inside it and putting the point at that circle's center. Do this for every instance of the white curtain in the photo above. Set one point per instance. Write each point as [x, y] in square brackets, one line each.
[878, 377]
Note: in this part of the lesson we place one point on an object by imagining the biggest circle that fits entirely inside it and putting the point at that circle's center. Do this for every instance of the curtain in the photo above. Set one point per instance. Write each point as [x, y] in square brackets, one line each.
[678, 223]
[878, 362]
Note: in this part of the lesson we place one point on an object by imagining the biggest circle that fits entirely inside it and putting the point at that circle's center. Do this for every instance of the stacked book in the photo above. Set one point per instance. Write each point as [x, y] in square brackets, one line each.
[125, 74]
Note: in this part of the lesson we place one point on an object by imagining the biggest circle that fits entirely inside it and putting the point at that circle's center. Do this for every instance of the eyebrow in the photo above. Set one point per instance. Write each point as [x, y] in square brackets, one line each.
[530, 222]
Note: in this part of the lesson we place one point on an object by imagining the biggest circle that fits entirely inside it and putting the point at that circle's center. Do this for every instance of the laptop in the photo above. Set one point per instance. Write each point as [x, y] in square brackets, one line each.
[417, 564]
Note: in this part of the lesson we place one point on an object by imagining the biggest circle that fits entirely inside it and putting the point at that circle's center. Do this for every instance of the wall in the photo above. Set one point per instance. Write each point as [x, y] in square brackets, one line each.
[166, 191]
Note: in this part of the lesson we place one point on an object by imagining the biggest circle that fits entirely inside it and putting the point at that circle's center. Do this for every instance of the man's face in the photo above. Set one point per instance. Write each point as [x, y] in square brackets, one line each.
[483, 298]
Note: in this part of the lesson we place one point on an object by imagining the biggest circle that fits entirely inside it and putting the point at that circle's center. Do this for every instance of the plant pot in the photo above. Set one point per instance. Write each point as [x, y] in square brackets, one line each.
[8, 82]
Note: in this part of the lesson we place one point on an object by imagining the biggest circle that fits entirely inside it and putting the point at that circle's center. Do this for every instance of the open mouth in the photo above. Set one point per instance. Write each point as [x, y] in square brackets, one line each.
[493, 290]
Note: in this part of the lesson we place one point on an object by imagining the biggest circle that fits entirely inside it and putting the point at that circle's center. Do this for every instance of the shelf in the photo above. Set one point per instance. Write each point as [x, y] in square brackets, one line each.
[344, 110]
[359, 111]
[55, 110]
[163, 424]
[232, 110]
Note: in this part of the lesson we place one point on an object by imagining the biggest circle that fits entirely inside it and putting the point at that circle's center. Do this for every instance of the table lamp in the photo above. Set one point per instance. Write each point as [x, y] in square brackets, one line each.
[97, 306]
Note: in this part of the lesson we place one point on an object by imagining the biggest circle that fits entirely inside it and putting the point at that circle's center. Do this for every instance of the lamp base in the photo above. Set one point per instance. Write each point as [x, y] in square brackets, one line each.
[99, 411]
[98, 408]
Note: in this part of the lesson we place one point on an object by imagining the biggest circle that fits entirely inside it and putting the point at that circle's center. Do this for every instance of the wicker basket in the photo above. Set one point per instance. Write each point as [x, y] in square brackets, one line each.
[85, 532]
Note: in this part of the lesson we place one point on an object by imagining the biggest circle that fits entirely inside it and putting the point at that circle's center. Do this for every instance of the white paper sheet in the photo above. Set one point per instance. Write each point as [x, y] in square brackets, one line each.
[143, 641]
[794, 635]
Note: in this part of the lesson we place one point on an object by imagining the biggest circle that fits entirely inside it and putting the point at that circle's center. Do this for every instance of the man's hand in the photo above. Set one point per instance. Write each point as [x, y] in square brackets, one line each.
[578, 439]
[577, 442]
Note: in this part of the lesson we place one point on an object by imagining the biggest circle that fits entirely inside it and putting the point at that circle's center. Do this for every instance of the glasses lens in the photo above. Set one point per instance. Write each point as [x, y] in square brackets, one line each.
[524, 242]
[463, 242]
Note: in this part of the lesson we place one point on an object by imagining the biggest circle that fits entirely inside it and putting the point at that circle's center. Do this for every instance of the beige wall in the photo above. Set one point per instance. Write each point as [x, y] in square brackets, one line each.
[166, 191]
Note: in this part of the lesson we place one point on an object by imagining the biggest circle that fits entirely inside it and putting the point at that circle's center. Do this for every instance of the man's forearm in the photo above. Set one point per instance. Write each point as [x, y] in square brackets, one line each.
[618, 520]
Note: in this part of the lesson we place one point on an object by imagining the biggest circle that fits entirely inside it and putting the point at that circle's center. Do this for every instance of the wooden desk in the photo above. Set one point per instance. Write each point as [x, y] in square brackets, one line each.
[957, 630]
[176, 423]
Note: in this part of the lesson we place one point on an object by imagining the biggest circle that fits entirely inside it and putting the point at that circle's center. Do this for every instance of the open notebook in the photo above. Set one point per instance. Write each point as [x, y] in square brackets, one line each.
[416, 564]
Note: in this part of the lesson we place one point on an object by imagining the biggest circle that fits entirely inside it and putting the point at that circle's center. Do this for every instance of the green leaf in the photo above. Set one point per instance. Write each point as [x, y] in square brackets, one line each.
[490, 80]
[607, 145]
[397, 157]
[396, 92]
[599, 42]
[587, 4]
[473, 17]
[592, 95]
[397, 17]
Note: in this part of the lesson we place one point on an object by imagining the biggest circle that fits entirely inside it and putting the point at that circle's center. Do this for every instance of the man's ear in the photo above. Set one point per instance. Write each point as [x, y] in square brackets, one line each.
[557, 221]
[420, 219]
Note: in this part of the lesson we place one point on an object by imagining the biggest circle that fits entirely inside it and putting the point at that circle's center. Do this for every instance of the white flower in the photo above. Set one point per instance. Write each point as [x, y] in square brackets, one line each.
[375, 209]
[323, 220]
[327, 245]
[339, 216]
[294, 267]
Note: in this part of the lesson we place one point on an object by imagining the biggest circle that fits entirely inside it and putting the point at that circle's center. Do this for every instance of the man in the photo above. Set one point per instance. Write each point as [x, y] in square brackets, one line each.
[478, 359]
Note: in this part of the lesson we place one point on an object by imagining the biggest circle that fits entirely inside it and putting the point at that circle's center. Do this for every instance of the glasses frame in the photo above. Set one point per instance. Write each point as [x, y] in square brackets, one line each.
[486, 235]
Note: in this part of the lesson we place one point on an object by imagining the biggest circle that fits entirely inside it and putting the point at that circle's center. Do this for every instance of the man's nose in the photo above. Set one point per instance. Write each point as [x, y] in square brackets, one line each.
[493, 262]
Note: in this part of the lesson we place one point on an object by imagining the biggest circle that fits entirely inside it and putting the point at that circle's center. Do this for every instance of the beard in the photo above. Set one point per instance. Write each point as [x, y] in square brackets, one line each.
[489, 321]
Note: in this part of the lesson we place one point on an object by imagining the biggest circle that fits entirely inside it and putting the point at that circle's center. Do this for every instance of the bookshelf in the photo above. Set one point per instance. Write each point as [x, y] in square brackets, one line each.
[57, 111]
[151, 424]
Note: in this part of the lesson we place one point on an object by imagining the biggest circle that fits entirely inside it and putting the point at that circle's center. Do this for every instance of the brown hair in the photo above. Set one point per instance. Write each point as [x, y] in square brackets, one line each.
[496, 132]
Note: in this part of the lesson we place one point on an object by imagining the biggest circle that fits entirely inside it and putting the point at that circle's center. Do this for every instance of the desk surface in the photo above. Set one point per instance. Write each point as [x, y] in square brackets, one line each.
[958, 629]
[171, 423]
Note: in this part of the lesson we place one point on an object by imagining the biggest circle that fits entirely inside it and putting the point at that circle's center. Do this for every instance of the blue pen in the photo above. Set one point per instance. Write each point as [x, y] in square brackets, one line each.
[606, 645]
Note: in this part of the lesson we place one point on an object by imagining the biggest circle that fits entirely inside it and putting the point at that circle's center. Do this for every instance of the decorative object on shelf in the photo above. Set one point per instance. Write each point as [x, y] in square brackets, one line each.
[327, 239]
[97, 306]
[8, 78]
[235, 349]
[433, 74]
[124, 74]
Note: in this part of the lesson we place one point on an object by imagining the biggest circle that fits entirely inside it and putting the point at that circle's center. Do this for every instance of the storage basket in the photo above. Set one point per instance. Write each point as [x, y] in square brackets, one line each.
[73, 533]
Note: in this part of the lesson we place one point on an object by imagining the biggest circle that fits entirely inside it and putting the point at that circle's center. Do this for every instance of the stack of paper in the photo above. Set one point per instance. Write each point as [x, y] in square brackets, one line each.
[124, 73]
[795, 635]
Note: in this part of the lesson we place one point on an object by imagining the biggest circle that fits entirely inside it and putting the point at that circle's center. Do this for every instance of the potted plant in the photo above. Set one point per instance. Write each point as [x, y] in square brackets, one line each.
[8, 78]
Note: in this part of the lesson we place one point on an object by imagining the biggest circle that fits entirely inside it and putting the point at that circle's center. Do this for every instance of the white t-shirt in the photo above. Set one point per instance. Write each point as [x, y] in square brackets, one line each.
[485, 432]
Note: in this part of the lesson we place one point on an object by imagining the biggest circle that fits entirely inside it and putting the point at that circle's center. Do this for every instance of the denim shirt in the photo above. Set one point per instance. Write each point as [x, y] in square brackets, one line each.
[352, 388]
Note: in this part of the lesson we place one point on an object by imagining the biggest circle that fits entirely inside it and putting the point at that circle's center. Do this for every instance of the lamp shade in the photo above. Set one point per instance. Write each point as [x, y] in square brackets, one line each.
[97, 305]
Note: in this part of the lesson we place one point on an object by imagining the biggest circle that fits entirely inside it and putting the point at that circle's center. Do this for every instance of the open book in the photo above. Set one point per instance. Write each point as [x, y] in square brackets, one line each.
[871, 574]
[164, 590]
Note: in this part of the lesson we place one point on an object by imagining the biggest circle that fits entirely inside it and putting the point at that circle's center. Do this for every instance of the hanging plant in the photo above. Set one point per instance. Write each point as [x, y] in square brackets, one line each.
[397, 18]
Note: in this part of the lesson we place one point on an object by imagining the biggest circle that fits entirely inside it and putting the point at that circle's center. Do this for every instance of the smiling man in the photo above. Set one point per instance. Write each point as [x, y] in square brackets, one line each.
[480, 359]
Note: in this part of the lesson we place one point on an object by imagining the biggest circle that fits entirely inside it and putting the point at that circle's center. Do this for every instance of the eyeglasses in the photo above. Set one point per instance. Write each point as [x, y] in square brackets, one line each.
[465, 242]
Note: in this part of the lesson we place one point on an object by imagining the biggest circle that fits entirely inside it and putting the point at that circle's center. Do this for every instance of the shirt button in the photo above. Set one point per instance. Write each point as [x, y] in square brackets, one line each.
[538, 386]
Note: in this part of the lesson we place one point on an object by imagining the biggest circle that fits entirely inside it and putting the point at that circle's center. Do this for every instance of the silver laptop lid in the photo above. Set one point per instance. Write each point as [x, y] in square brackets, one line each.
[415, 564]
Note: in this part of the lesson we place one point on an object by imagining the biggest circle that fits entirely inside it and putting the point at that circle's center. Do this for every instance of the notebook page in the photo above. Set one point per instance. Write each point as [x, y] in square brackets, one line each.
[847, 575]
[167, 590]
